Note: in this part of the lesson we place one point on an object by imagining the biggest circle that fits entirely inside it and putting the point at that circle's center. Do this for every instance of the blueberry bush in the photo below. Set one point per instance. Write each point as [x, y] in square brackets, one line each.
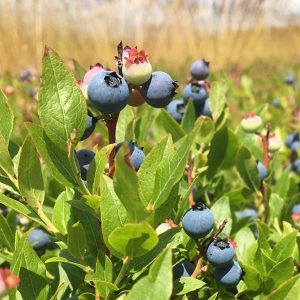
[175, 199]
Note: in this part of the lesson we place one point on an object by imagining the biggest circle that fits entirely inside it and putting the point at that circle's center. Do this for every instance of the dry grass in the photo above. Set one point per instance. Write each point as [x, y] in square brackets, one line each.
[173, 34]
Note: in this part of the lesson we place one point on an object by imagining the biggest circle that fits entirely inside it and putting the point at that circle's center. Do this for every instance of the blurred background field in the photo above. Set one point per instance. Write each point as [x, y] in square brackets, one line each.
[229, 33]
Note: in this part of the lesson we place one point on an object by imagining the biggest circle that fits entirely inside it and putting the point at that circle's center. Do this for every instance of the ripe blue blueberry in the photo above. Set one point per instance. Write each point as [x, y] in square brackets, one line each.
[198, 221]
[289, 79]
[296, 208]
[183, 269]
[137, 155]
[291, 138]
[200, 69]
[262, 171]
[84, 158]
[108, 92]
[197, 92]
[247, 213]
[296, 166]
[276, 102]
[159, 90]
[220, 253]
[176, 109]
[295, 146]
[229, 276]
[206, 109]
[89, 126]
[39, 239]
[25, 75]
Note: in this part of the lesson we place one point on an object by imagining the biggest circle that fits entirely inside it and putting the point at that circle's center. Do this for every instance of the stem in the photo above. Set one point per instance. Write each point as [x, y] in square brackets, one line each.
[265, 144]
[120, 276]
[190, 180]
[265, 201]
[111, 124]
[198, 268]
[50, 226]
[203, 249]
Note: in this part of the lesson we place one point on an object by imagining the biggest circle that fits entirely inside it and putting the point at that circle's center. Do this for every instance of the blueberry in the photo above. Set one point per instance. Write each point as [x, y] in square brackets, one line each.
[25, 75]
[197, 92]
[291, 138]
[39, 239]
[229, 276]
[84, 158]
[176, 109]
[198, 221]
[206, 109]
[289, 79]
[200, 69]
[276, 102]
[247, 213]
[262, 171]
[296, 166]
[183, 269]
[296, 209]
[108, 92]
[89, 126]
[295, 146]
[136, 154]
[159, 90]
[220, 253]
[33, 92]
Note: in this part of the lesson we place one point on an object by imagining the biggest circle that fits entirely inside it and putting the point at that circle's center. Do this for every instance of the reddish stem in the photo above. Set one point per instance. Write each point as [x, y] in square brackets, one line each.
[111, 124]
[265, 145]
[190, 180]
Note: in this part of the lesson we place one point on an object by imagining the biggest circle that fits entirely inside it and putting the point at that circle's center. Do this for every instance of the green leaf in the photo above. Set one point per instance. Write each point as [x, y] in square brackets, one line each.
[76, 240]
[185, 285]
[55, 159]
[246, 166]
[189, 117]
[7, 118]
[113, 213]
[222, 151]
[163, 240]
[65, 260]
[97, 167]
[289, 290]
[159, 280]
[217, 97]
[276, 204]
[6, 164]
[79, 70]
[20, 208]
[244, 238]
[92, 230]
[285, 247]
[170, 172]
[6, 234]
[27, 265]
[61, 213]
[125, 117]
[279, 273]
[204, 128]
[133, 240]
[103, 275]
[251, 278]
[30, 176]
[62, 107]
[165, 121]
[221, 211]
[146, 173]
[126, 187]
[283, 184]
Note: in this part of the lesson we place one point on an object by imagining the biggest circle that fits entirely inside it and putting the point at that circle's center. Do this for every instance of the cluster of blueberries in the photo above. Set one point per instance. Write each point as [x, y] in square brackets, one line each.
[196, 90]
[198, 222]
[293, 142]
